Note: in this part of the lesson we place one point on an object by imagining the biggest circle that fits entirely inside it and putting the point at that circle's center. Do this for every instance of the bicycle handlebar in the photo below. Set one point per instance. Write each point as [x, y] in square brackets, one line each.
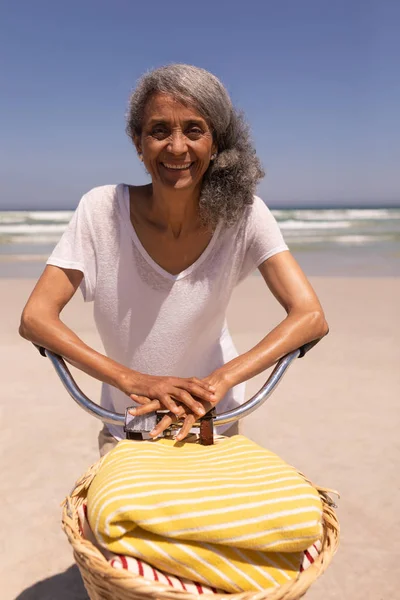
[228, 417]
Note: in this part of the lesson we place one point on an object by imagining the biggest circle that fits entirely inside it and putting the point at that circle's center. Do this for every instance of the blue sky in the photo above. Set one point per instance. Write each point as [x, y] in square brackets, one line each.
[318, 80]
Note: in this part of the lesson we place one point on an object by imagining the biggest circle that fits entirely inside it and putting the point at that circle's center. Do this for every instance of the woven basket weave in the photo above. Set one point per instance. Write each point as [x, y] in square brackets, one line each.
[104, 582]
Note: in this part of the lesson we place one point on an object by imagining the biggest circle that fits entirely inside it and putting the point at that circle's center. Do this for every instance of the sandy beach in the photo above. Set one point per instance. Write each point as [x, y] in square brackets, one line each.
[335, 417]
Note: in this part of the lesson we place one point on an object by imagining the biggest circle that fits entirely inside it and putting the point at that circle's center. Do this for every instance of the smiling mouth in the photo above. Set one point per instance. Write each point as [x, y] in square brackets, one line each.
[182, 167]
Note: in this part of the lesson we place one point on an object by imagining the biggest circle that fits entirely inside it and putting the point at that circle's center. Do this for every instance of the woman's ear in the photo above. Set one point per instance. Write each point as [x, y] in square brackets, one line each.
[214, 151]
[138, 145]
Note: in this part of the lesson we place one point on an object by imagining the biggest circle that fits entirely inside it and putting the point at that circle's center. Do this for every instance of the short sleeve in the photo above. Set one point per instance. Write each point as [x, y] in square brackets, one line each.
[263, 237]
[76, 249]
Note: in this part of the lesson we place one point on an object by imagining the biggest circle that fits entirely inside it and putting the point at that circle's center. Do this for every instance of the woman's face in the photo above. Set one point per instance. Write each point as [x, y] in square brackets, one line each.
[176, 143]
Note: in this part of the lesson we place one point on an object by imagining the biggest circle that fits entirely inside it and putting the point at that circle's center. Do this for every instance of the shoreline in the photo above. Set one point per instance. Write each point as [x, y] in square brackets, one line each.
[354, 263]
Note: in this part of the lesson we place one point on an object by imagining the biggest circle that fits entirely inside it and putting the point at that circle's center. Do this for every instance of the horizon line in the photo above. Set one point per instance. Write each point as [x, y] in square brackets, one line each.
[271, 206]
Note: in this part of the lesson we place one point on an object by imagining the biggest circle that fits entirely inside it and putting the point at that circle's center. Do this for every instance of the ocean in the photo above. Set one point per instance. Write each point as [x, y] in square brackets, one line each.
[363, 242]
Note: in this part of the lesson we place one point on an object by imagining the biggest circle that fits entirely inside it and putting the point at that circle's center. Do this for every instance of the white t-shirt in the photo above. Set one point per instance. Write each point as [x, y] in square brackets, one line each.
[152, 321]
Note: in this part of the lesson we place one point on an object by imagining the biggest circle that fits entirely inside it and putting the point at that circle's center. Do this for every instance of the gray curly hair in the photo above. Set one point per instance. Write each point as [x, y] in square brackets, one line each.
[229, 183]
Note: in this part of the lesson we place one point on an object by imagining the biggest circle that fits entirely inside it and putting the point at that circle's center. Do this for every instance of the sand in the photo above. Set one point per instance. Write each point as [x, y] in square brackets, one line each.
[335, 416]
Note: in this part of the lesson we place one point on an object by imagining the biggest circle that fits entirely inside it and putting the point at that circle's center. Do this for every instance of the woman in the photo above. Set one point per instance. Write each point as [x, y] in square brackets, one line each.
[160, 262]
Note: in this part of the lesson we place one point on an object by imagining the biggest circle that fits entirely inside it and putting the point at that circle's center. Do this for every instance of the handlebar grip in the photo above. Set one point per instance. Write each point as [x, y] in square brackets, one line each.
[307, 347]
[41, 350]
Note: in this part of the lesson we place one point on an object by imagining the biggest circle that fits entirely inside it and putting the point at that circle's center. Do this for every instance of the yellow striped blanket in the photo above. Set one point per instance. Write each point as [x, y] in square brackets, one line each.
[233, 515]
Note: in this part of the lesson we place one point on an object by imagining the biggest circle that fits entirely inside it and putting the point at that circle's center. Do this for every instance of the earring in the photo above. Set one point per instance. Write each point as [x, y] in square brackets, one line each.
[214, 156]
[140, 155]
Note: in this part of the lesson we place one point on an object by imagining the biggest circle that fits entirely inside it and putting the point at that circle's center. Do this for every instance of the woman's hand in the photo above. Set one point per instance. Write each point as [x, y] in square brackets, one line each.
[158, 393]
[220, 383]
[217, 382]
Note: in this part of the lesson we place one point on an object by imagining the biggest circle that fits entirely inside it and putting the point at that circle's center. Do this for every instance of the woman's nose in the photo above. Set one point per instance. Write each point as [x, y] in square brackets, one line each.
[177, 144]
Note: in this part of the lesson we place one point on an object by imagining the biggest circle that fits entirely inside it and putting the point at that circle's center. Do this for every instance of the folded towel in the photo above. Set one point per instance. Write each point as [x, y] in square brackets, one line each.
[140, 567]
[143, 569]
[233, 515]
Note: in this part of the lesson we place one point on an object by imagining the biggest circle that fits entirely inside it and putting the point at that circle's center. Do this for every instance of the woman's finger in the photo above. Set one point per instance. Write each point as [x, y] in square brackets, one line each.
[140, 399]
[201, 383]
[182, 412]
[186, 427]
[186, 399]
[197, 391]
[167, 402]
[162, 425]
[145, 409]
[153, 406]
[208, 406]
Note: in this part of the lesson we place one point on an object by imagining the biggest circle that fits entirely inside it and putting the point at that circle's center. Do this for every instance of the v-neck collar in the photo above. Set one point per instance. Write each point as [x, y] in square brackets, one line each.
[124, 202]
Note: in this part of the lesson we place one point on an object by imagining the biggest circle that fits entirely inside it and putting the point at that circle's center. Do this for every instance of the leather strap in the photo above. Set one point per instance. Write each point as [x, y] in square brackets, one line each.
[207, 430]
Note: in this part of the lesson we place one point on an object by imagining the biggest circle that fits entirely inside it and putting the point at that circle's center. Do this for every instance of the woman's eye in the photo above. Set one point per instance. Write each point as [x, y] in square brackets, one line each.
[194, 132]
[159, 132]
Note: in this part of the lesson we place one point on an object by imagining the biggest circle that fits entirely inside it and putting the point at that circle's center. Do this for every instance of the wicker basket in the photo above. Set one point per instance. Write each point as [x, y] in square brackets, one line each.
[104, 582]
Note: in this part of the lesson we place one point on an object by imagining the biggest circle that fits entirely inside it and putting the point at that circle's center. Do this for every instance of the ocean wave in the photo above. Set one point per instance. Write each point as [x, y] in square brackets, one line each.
[30, 229]
[32, 217]
[12, 218]
[357, 239]
[292, 224]
[48, 240]
[63, 216]
[351, 214]
[347, 240]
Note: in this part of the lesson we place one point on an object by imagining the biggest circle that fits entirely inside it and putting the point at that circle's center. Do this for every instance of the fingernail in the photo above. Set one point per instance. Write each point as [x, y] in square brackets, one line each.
[201, 411]
[132, 411]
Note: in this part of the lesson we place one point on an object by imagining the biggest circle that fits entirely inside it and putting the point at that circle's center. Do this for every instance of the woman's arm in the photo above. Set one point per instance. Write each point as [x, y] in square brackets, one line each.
[41, 324]
[305, 322]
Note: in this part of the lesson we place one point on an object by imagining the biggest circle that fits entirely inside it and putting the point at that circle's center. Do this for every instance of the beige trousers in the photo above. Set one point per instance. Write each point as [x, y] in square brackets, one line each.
[107, 441]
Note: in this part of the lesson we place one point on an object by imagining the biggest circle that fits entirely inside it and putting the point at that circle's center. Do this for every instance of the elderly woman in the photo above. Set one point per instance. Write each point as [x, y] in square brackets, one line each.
[160, 262]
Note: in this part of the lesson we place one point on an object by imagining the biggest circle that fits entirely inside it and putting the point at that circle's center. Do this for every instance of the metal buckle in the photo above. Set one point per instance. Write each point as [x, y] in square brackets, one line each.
[141, 425]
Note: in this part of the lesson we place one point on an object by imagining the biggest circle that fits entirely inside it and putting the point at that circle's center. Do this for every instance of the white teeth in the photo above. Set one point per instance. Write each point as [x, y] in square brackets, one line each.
[177, 167]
